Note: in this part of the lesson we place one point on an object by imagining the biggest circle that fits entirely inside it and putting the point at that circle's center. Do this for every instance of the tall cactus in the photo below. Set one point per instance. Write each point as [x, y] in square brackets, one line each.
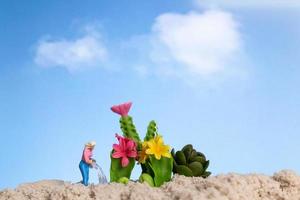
[128, 128]
[122, 162]
[126, 122]
[151, 131]
[189, 162]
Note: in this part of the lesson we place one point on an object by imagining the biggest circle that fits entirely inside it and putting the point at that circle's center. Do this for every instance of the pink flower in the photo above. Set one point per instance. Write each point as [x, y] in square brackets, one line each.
[125, 149]
[122, 109]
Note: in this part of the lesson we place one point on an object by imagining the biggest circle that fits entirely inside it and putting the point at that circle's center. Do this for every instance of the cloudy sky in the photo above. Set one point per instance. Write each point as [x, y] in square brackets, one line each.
[223, 75]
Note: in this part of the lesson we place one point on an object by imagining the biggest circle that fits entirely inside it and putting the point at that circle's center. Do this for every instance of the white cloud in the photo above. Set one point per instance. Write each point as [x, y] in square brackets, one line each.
[249, 3]
[200, 44]
[186, 46]
[77, 54]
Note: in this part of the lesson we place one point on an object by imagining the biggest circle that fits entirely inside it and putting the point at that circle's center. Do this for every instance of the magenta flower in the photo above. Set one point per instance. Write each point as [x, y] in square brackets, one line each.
[125, 149]
[122, 109]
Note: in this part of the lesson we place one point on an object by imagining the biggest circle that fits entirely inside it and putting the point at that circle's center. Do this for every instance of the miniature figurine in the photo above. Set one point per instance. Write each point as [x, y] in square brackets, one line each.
[87, 162]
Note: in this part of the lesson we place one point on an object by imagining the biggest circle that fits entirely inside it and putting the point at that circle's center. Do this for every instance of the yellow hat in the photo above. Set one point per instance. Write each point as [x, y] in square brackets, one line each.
[90, 144]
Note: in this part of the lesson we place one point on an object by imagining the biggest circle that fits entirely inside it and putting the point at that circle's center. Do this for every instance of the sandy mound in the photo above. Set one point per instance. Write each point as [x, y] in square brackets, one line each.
[281, 186]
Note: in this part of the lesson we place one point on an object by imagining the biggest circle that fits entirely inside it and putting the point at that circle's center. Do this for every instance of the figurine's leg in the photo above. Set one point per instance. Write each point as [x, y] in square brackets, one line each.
[86, 174]
[84, 169]
[81, 167]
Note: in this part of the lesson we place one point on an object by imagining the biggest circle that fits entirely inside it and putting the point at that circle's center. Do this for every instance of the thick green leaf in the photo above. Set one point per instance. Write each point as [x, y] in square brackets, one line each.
[206, 174]
[198, 159]
[196, 168]
[193, 154]
[180, 158]
[187, 150]
[162, 169]
[187, 147]
[184, 170]
[206, 164]
[201, 154]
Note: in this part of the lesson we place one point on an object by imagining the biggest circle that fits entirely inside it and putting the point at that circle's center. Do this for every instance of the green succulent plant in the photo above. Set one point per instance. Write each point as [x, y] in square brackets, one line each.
[189, 162]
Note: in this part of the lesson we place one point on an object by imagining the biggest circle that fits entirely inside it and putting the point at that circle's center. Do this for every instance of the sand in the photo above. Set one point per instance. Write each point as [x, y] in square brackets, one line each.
[284, 185]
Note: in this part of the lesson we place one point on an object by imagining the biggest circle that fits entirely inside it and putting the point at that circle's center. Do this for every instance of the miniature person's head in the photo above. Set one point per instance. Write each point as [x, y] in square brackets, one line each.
[91, 145]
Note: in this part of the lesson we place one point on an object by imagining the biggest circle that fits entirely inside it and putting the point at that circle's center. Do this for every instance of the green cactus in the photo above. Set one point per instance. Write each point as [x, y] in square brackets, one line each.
[189, 162]
[128, 128]
[151, 131]
[162, 170]
[117, 171]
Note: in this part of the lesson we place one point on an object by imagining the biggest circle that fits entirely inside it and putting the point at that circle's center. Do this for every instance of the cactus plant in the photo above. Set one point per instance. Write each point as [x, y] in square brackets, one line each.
[128, 128]
[152, 153]
[126, 123]
[151, 131]
[123, 158]
[157, 161]
[189, 162]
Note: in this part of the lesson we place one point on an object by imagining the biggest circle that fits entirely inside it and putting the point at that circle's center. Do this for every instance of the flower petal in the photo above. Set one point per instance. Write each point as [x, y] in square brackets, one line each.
[125, 108]
[117, 154]
[150, 144]
[165, 148]
[116, 147]
[132, 154]
[125, 161]
[157, 156]
[144, 145]
[119, 138]
[159, 140]
[130, 144]
[116, 109]
[122, 109]
[149, 151]
[166, 154]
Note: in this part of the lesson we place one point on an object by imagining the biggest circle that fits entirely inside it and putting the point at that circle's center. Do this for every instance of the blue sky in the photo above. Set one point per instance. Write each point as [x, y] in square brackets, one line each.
[222, 76]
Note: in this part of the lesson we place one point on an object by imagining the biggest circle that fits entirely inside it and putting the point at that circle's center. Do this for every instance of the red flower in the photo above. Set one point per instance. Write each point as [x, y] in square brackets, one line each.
[122, 109]
[124, 150]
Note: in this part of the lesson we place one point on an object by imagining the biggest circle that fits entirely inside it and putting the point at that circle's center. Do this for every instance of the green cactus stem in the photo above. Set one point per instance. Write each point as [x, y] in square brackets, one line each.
[128, 128]
[151, 131]
[117, 171]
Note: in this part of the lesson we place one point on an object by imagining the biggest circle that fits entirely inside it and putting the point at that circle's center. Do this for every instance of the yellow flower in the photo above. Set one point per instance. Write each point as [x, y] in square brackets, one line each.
[142, 154]
[157, 148]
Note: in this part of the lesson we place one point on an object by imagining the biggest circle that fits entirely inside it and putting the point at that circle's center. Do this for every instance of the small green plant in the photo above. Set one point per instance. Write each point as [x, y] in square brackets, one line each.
[154, 156]
[189, 162]
[152, 153]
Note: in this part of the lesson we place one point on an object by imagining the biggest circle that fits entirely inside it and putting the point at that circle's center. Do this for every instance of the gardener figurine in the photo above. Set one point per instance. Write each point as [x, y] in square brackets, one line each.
[86, 161]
